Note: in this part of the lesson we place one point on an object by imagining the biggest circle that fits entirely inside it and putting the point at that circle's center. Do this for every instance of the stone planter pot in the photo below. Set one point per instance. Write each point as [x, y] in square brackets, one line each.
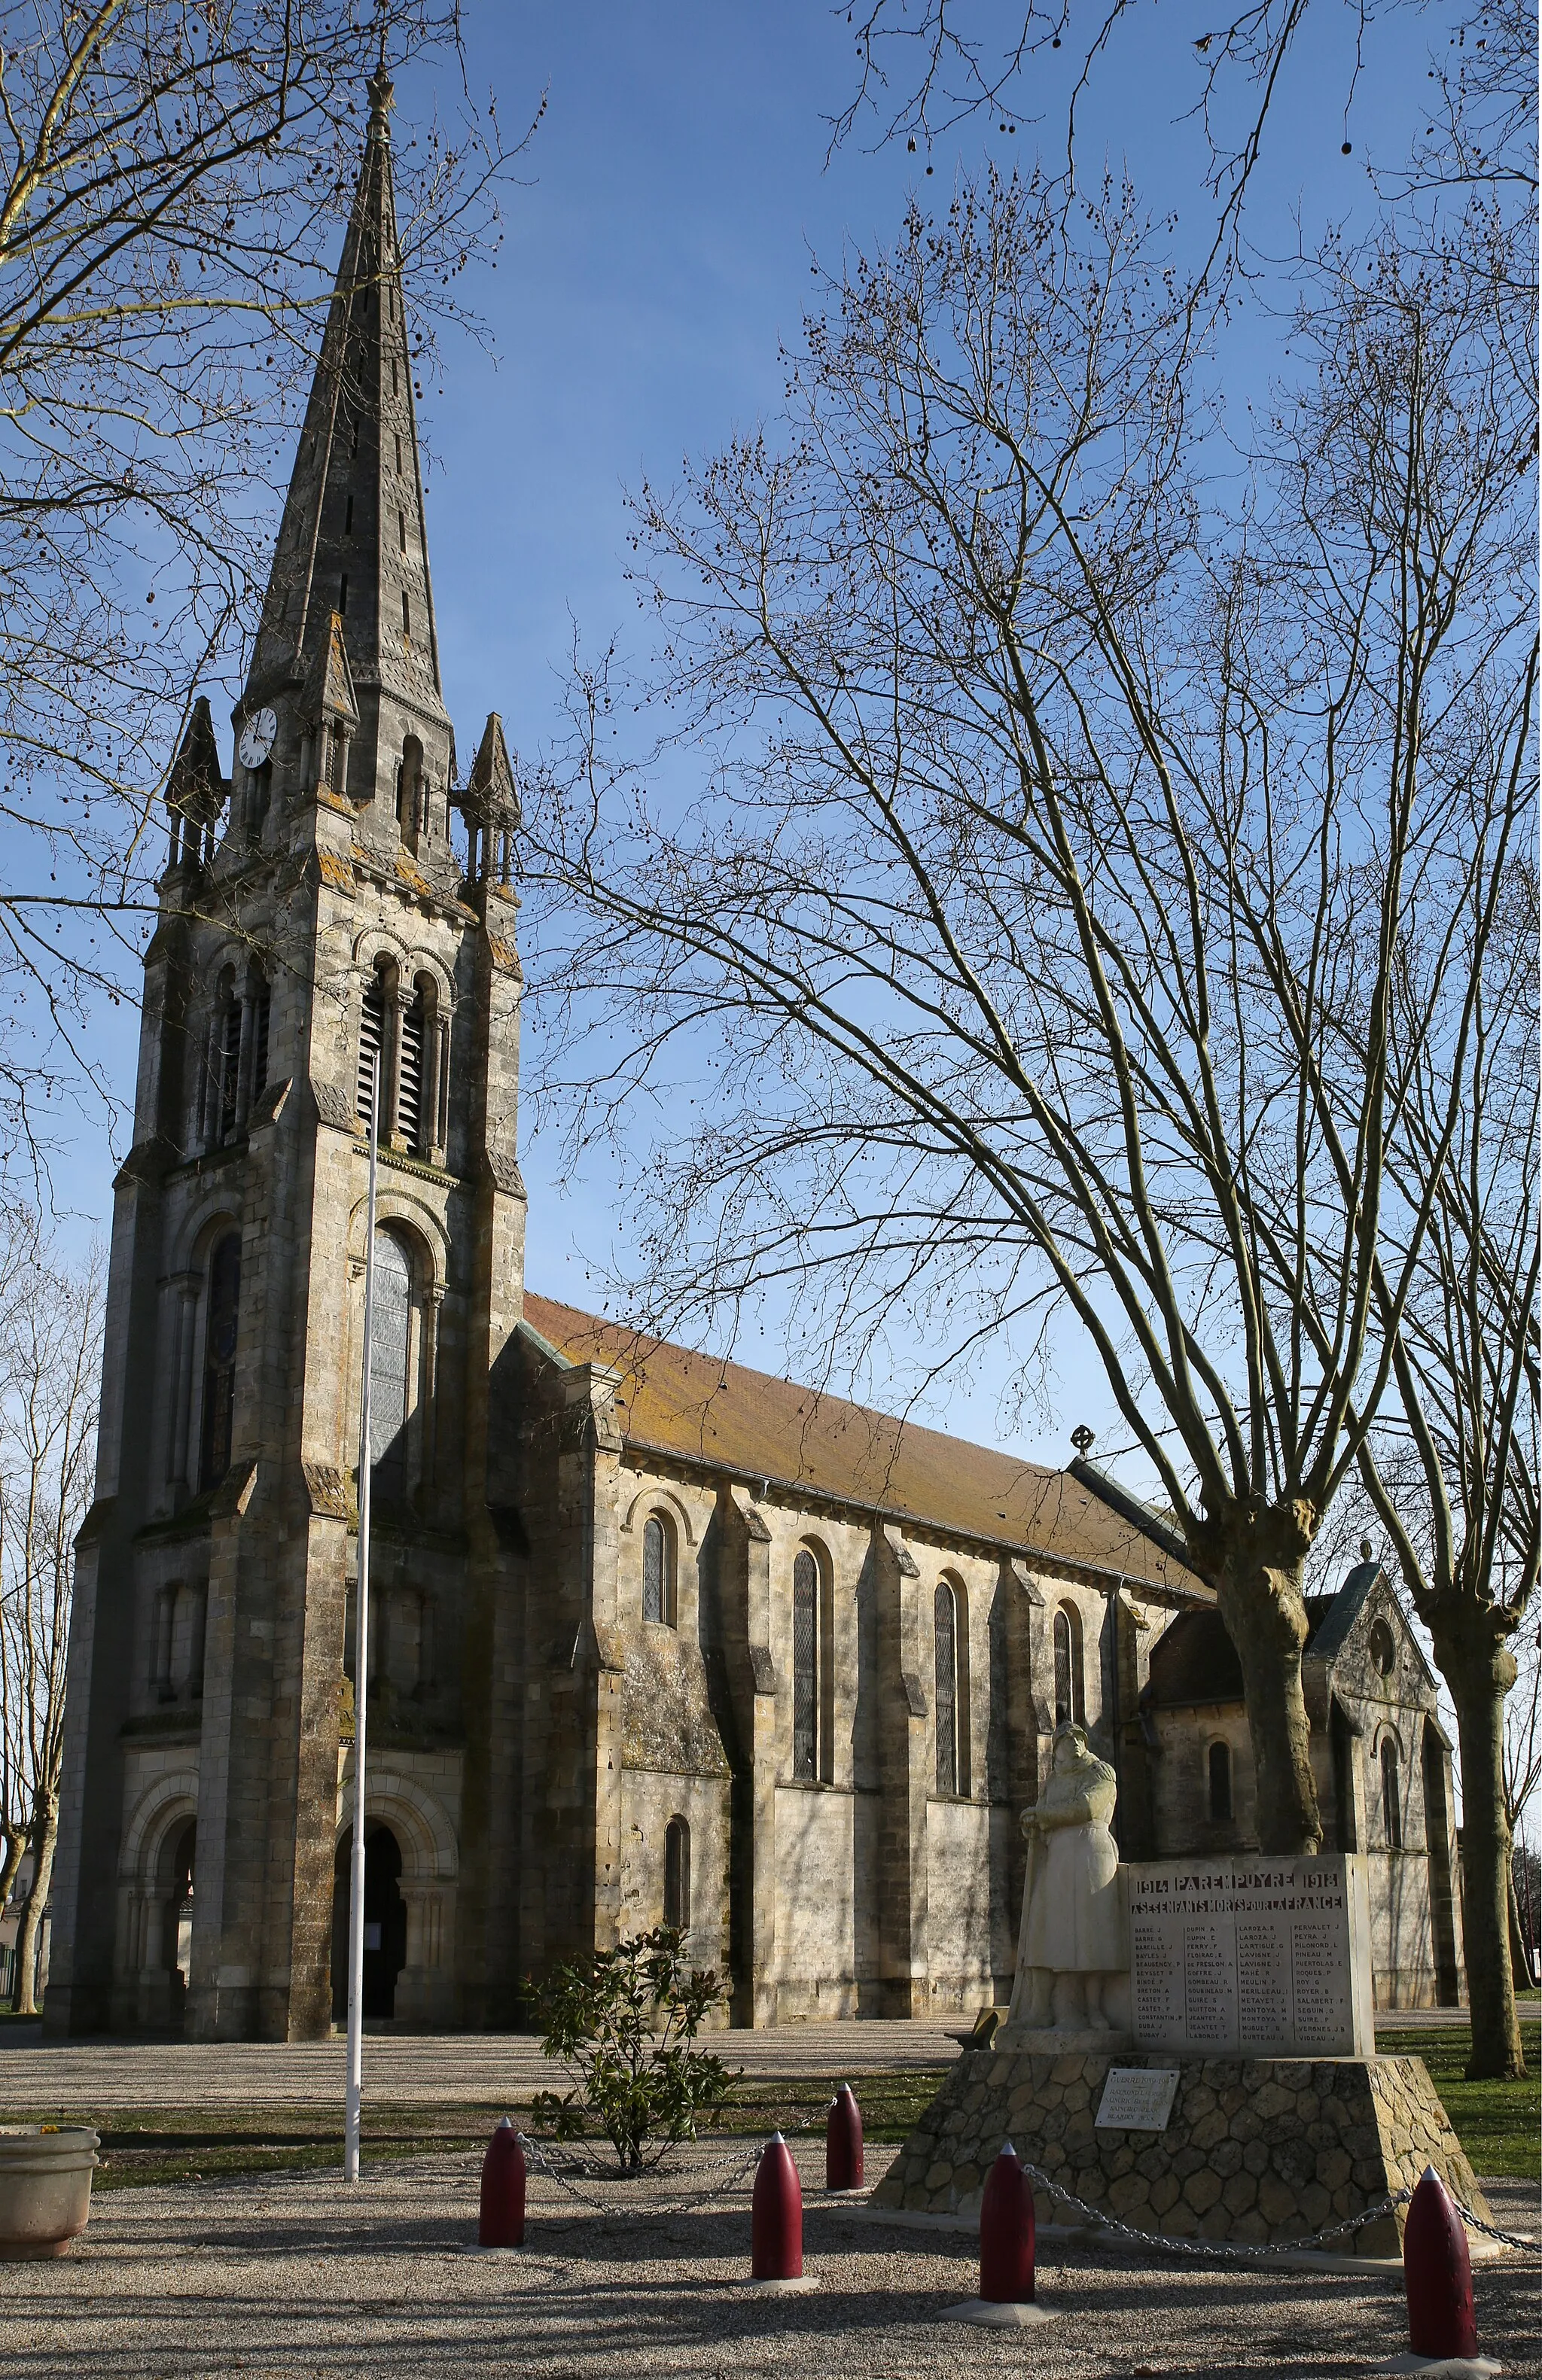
[44, 2187]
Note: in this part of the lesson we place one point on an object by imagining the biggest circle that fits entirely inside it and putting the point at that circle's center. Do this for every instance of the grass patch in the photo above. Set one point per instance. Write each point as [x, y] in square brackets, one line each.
[1497, 2123]
[890, 2105]
[145, 2146]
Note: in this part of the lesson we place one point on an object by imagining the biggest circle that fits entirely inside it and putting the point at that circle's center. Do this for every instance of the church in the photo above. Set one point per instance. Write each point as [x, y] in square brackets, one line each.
[655, 1637]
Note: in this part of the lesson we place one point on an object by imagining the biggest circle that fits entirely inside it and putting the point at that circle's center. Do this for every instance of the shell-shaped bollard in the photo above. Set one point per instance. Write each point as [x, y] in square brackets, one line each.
[1007, 2231]
[1437, 2274]
[502, 2222]
[776, 2216]
[843, 2141]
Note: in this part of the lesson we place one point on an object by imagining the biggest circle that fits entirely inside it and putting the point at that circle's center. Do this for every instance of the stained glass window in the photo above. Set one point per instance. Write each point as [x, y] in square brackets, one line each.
[388, 1360]
[806, 1666]
[946, 1668]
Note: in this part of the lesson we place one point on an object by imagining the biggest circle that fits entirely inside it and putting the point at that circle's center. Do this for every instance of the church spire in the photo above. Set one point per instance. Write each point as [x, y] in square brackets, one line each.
[353, 540]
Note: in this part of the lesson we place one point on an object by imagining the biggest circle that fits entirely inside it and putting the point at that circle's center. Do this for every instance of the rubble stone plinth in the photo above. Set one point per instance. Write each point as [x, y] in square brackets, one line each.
[1255, 2150]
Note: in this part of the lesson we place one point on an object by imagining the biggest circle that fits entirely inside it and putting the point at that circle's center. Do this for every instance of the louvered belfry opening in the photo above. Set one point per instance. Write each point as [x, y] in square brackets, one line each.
[410, 1078]
[805, 1667]
[371, 1042]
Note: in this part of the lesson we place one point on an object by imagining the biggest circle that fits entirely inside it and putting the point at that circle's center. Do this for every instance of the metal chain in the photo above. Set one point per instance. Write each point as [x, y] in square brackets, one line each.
[740, 2162]
[1262, 2248]
[1106, 2222]
[1511, 2238]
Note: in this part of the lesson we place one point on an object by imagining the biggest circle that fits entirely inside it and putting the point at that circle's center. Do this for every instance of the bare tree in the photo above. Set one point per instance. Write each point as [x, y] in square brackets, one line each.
[1452, 1470]
[50, 1361]
[924, 67]
[173, 178]
[1070, 802]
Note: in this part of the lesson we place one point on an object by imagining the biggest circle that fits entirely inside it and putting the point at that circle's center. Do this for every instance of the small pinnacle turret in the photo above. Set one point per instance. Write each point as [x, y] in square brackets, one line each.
[490, 806]
[196, 788]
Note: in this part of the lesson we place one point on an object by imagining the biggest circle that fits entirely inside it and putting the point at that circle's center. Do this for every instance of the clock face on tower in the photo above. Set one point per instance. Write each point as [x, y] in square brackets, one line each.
[257, 738]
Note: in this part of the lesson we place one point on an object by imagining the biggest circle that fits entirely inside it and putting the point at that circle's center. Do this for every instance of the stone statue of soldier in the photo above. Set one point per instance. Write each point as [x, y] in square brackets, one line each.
[1073, 1945]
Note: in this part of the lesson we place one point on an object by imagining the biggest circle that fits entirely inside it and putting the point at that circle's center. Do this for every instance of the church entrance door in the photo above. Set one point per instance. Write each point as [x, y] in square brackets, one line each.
[385, 1922]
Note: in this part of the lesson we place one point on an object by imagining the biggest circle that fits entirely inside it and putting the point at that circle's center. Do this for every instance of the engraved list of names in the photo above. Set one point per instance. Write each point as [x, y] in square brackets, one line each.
[1267, 1958]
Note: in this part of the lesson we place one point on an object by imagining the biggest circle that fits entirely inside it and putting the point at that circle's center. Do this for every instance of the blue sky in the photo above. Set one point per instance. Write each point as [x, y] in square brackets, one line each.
[676, 191]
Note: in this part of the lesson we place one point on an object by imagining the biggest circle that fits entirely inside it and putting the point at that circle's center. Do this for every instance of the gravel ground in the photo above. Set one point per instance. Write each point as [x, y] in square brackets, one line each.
[298, 2276]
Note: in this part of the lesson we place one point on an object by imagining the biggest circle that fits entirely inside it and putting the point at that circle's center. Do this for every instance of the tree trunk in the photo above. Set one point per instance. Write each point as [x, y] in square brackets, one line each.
[1521, 1970]
[45, 1834]
[16, 1846]
[1479, 1678]
[1259, 1592]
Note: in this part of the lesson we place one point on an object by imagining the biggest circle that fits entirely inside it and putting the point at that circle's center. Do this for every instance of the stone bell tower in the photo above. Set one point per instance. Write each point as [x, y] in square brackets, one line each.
[316, 914]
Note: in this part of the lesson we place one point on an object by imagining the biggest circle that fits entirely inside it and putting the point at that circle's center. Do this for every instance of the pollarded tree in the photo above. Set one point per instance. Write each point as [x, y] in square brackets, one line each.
[1452, 1469]
[1068, 802]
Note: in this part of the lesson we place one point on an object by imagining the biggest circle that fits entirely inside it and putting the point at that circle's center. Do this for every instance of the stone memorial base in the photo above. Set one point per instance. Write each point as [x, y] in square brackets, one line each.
[1255, 2149]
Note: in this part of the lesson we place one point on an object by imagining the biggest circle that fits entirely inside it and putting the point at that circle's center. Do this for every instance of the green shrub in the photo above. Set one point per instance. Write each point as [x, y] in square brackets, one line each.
[623, 2023]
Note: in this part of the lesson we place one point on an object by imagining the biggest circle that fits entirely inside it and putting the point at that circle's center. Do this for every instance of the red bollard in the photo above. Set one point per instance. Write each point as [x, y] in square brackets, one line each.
[776, 2216]
[1437, 2274]
[502, 2223]
[1007, 2233]
[843, 2141]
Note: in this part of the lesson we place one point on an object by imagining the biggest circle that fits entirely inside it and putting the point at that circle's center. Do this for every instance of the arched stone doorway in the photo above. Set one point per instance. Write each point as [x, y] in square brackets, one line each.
[385, 1922]
[153, 1960]
[176, 1939]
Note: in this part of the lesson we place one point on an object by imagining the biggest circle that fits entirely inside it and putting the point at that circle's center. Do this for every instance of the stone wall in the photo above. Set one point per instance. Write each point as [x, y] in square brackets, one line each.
[1255, 2149]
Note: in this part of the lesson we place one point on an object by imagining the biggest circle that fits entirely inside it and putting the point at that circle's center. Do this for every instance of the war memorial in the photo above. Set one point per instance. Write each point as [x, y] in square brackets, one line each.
[1190, 2047]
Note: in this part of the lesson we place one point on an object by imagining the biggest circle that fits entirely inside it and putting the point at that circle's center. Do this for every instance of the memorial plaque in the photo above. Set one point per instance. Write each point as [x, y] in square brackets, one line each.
[1269, 1958]
[1137, 2099]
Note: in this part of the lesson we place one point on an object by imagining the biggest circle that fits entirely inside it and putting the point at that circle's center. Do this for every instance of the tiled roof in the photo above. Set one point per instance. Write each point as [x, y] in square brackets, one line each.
[728, 1417]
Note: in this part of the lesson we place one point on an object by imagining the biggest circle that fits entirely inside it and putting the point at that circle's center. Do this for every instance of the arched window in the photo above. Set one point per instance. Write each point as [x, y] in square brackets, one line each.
[677, 1875]
[945, 1635]
[192, 1619]
[1220, 1780]
[226, 1058]
[658, 1572]
[372, 1047]
[161, 1650]
[1069, 1693]
[408, 788]
[805, 1667]
[262, 1018]
[219, 1358]
[1392, 1797]
[389, 1350]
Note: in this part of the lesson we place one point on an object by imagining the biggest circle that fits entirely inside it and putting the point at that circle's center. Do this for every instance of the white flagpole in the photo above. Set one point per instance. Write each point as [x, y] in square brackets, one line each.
[360, 1690]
